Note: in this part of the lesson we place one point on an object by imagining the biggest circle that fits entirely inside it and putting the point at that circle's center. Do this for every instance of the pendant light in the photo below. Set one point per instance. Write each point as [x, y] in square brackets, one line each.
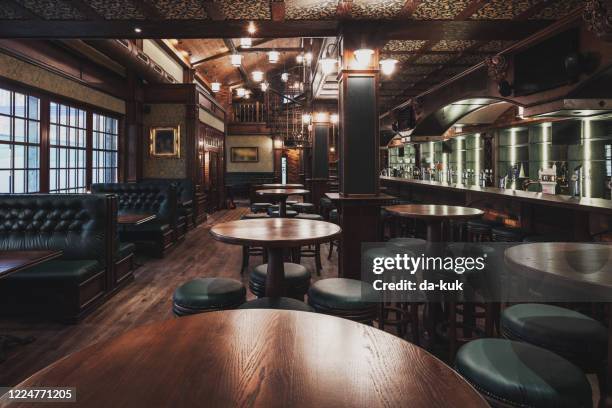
[258, 76]
[246, 42]
[236, 60]
[215, 86]
[387, 66]
[363, 55]
[273, 57]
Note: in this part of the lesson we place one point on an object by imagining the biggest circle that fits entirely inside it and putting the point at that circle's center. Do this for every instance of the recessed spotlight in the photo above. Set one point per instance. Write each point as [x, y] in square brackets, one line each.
[251, 28]
[137, 30]
[215, 86]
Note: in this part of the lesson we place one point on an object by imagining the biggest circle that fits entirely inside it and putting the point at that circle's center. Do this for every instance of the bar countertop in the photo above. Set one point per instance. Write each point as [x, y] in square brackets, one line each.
[582, 204]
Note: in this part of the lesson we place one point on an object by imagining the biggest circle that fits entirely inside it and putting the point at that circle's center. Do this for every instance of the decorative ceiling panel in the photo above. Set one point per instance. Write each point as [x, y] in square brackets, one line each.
[244, 9]
[471, 59]
[503, 9]
[453, 45]
[376, 9]
[495, 46]
[434, 58]
[53, 9]
[9, 13]
[439, 9]
[400, 57]
[404, 45]
[416, 70]
[116, 9]
[310, 9]
[181, 9]
[558, 9]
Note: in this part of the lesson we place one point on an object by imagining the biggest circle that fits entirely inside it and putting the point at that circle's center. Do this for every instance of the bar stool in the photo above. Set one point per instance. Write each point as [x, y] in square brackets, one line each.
[333, 217]
[311, 251]
[513, 374]
[572, 335]
[290, 214]
[207, 295]
[347, 298]
[505, 234]
[305, 208]
[291, 203]
[480, 230]
[282, 303]
[297, 280]
[249, 251]
[260, 207]
[415, 245]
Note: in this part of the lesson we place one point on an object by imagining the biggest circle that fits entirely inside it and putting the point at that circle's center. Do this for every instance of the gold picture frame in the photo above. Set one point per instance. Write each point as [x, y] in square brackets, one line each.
[165, 142]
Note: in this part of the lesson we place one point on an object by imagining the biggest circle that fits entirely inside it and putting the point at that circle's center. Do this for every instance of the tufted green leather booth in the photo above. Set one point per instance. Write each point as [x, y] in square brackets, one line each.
[146, 198]
[79, 225]
[185, 196]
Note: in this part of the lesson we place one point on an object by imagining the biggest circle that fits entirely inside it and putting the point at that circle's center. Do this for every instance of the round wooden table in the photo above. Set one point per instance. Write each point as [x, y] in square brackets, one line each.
[257, 358]
[434, 215]
[575, 265]
[276, 235]
[281, 195]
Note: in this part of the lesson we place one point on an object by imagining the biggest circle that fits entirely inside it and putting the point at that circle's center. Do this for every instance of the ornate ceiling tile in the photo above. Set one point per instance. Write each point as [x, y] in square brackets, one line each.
[181, 9]
[557, 10]
[439, 9]
[53, 9]
[453, 45]
[244, 9]
[503, 9]
[495, 46]
[376, 9]
[9, 13]
[471, 59]
[116, 9]
[310, 9]
[434, 58]
[416, 70]
[400, 57]
[404, 45]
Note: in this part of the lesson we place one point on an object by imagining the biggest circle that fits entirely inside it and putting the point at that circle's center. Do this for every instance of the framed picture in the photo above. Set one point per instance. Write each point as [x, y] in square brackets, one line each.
[165, 142]
[244, 154]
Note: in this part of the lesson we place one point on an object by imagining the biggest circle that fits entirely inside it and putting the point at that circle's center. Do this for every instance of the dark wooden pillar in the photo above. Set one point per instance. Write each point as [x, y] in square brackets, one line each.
[320, 158]
[133, 131]
[359, 198]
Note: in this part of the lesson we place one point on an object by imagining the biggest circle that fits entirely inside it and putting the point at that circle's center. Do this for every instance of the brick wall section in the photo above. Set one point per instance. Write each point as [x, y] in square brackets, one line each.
[293, 165]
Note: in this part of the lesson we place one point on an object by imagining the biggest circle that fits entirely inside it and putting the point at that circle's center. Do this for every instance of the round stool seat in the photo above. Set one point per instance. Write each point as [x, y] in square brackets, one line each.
[290, 213]
[282, 303]
[411, 244]
[522, 375]
[314, 217]
[253, 216]
[341, 294]
[575, 336]
[260, 207]
[303, 207]
[297, 280]
[207, 294]
[505, 234]
[291, 202]
[333, 215]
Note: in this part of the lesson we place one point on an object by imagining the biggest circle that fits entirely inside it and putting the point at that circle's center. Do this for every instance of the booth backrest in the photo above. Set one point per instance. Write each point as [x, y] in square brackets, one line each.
[184, 187]
[146, 198]
[78, 224]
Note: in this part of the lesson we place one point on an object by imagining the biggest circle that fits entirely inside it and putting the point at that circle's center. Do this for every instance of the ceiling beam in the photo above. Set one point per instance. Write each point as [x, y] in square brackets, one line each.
[23, 10]
[86, 10]
[532, 11]
[277, 10]
[227, 53]
[148, 9]
[408, 9]
[416, 30]
[432, 52]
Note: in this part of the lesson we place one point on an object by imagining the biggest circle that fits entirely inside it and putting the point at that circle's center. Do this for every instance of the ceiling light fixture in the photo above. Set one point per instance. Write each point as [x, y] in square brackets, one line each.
[215, 86]
[245, 42]
[273, 57]
[387, 66]
[284, 77]
[240, 92]
[137, 30]
[236, 60]
[251, 28]
[299, 59]
[308, 57]
[258, 76]
[363, 55]
[333, 118]
[306, 117]
[264, 86]
[247, 94]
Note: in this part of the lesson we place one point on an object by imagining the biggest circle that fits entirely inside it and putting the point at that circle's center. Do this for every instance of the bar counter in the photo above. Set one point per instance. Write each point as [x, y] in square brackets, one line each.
[583, 218]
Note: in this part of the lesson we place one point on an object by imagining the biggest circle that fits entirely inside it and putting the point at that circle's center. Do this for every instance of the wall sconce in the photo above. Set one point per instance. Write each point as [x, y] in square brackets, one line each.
[215, 86]
[236, 60]
[328, 65]
[257, 76]
[278, 143]
[387, 66]
[273, 57]
[240, 92]
[363, 56]
[284, 77]
[333, 118]
[321, 117]
[306, 118]
[245, 42]
[332, 149]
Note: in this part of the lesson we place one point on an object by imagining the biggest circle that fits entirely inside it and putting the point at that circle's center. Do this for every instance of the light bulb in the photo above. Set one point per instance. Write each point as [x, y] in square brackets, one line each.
[387, 66]
[245, 42]
[240, 92]
[215, 86]
[273, 57]
[308, 57]
[236, 60]
[363, 55]
[257, 76]
[306, 118]
[284, 77]
[247, 94]
[299, 59]
[251, 28]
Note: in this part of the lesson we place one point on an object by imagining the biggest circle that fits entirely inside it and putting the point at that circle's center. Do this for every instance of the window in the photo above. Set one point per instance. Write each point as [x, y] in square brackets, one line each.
[19, 142]
[68, 147]
[104, 149]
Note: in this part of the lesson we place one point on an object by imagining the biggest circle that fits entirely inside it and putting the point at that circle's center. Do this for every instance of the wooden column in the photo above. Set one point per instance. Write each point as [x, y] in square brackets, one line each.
[320, 158]
[359, 198]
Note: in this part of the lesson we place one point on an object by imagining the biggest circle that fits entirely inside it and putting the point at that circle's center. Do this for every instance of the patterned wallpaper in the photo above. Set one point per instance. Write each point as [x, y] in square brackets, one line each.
[165, 115]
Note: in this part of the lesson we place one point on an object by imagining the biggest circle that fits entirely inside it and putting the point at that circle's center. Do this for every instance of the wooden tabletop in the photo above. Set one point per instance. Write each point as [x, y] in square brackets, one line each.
[280, 192]
[134, 219]
[257, 358]
[433, 211]
[275, 232]
[578, 264]
[280, 185]
[15, 261]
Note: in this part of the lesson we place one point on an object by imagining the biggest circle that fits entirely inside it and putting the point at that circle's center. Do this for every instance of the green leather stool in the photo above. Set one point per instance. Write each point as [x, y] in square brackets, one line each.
[513, 374]
[308, 208]
[260, 207]
[282, 303]
[206, 295]
[290, 214]
[572, 335]
[347, 298]
[415, 245]
[307, 216]
[297, 280]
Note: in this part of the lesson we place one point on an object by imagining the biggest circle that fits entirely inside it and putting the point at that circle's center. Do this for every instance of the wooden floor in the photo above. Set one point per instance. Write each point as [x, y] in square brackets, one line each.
[148, 299]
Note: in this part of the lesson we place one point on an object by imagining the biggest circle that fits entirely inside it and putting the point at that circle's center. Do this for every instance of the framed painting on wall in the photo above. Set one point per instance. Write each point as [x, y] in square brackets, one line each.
[244, 154]
[165, 142]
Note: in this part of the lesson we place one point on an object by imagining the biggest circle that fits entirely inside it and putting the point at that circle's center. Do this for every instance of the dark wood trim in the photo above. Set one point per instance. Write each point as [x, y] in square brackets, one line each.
[471, 8]
[277, 10]
[227, 53]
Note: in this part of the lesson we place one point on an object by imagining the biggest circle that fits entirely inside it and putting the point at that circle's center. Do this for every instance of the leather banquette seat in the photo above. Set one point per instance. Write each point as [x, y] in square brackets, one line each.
[185, 197]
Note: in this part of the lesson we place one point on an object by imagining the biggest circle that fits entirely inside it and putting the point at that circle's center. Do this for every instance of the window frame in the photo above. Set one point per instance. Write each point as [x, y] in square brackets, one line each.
[45, 100]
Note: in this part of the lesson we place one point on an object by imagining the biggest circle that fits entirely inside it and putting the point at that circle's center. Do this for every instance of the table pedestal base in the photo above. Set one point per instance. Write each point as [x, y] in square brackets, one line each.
[275, 281]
